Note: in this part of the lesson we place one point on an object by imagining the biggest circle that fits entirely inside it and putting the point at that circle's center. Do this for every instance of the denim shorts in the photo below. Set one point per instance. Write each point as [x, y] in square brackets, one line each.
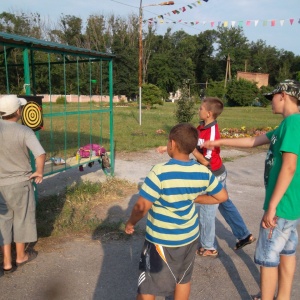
[281, 240]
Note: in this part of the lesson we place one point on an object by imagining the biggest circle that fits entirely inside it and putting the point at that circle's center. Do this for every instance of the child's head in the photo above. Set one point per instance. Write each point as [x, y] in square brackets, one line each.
[186, 137]
[289, 87]
[213, 105]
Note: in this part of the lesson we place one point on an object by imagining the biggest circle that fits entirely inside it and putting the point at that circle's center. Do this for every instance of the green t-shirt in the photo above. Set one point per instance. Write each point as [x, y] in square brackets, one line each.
[285, 138]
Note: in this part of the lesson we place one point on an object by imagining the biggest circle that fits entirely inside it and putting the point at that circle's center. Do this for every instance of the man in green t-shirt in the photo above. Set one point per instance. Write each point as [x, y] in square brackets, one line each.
[278, 238]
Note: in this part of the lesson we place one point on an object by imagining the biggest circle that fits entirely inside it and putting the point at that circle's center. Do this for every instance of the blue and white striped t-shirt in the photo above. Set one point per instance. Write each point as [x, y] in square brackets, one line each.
[172, 187]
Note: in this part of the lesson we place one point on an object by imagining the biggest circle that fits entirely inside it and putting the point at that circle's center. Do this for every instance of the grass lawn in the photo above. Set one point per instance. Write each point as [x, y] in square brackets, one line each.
[72, 132]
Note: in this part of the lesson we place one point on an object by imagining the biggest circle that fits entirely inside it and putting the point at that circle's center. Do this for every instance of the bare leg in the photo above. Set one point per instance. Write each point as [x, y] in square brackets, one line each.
[145, 297]
[21, 254]
[182, 291]
[286, 272]
[268, 282]
[7, 259]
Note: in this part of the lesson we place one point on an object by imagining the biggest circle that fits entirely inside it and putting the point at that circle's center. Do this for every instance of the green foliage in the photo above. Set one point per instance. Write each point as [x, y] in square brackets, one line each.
[215, 89]
[241, 92]
[151, 95]
[61, 100]
[184, 107]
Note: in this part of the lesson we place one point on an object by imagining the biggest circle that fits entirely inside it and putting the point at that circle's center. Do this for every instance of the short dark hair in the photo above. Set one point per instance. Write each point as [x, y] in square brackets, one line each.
[10, 116]
[186, 137]
[215, 105]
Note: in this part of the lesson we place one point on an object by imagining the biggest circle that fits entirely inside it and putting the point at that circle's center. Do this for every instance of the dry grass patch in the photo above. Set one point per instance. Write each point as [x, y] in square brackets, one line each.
[75, 210]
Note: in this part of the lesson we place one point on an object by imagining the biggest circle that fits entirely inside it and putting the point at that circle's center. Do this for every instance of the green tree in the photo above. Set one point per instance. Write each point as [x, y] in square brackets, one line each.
[151, 95]
[241, 93]
[184, 107]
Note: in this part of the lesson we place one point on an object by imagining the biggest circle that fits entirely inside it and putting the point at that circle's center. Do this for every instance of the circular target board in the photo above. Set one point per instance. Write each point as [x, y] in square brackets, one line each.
[32, 115]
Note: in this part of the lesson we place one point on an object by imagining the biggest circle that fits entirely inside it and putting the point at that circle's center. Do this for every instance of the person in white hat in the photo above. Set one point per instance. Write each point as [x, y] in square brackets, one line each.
[17, 201]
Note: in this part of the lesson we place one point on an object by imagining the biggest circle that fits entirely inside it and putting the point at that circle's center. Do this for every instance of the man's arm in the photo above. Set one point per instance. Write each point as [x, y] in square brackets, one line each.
[200, 157]
[238, 142]
[220, 197]
[39, 173]
[139, 210]
[287, 171]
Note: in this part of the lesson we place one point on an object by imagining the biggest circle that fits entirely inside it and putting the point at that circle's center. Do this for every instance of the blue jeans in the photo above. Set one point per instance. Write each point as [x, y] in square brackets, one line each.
[271, 243]
[207, 215]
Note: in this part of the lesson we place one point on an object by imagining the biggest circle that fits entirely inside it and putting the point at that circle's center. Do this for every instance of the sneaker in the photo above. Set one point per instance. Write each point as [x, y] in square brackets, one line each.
[206, 252]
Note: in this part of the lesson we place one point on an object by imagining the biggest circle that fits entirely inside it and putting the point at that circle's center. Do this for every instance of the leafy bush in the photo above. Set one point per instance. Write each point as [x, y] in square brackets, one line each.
[151, 95]
[184, 107]
[215, 89]
[61, 100]
[241, 92]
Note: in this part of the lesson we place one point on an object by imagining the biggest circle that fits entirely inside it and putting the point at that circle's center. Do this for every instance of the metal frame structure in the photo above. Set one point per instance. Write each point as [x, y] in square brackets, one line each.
[56, 54]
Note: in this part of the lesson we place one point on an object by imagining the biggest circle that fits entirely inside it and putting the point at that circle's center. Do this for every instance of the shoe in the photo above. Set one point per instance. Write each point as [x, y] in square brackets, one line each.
[242, 243]
[31, 256]
[206, 252]
[8, 271]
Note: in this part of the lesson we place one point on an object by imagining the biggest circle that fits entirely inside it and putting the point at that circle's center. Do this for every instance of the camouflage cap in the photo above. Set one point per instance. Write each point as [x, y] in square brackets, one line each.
[290, 87]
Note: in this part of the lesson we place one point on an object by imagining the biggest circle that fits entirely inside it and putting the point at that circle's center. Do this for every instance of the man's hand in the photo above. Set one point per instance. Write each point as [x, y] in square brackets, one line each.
[129, 228]
[37, 177]
[161, 149]
[269, 219]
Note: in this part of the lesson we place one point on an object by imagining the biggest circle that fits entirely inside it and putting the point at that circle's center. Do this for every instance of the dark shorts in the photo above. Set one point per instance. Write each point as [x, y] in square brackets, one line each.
[161, 268]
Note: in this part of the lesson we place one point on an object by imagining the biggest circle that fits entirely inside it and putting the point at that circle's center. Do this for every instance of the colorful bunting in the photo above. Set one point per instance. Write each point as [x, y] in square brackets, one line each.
[212, 23]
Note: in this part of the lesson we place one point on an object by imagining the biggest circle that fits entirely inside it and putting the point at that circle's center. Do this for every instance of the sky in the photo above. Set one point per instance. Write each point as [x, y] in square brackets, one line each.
[193, 17]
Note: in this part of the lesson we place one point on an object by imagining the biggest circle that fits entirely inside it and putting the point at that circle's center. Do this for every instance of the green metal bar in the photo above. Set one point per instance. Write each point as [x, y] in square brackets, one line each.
[51, 108]
[26, 72]
[27, 92]
[78, 104]
[6, 72]
[111, 118]
[65, 107]
[69, 113]
[91, 123]
[32, 65]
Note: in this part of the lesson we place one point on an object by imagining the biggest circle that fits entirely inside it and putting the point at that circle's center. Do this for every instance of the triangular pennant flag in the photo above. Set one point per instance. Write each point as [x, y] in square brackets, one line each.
[265, 23]
[273, 23]
[212, 24]
[248, 23]
[192, 23]
[185, 22]
[299, 21]
[205, 0]
[255, 22]
[183, 9]
[204, 22]
[232, 23]
[174, 12]
[225, 24]
[194, 4]
[197, 22]
[199, 2]
[161, 21]
[281, 22]
[190, 6]
[168, 14]
[179, 21]
[291, 21]
[219, 23]
[240, 24]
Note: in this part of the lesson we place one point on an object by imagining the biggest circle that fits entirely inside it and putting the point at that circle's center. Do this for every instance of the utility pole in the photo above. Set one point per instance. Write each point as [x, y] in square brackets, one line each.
[228, 71]
[141, 51]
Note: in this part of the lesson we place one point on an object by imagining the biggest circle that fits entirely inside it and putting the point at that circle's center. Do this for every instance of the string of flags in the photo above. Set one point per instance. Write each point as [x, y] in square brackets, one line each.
[160, 19]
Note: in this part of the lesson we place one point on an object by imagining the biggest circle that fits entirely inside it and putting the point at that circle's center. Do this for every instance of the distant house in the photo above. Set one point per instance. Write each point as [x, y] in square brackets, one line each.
[260, 78]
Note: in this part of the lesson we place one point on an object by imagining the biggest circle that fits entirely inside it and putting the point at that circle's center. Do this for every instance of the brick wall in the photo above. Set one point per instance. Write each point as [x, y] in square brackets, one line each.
[260, 78]
[84, 98]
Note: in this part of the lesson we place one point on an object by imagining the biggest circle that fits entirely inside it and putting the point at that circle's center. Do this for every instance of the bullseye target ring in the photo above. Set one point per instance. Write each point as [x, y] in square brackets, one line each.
[32, 115]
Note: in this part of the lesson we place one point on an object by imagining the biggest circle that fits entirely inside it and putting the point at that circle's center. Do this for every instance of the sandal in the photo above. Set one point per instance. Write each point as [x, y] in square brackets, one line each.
[258, 297]
[31, 256]
[206, 252]
[246, 241]
[8, 271]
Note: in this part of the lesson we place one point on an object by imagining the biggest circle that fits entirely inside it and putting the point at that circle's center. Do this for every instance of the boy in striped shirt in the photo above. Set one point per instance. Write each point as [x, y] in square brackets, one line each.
[168, 195]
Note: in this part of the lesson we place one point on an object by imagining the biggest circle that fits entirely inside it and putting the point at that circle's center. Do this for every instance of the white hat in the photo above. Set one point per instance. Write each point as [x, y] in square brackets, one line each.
[10, 104]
